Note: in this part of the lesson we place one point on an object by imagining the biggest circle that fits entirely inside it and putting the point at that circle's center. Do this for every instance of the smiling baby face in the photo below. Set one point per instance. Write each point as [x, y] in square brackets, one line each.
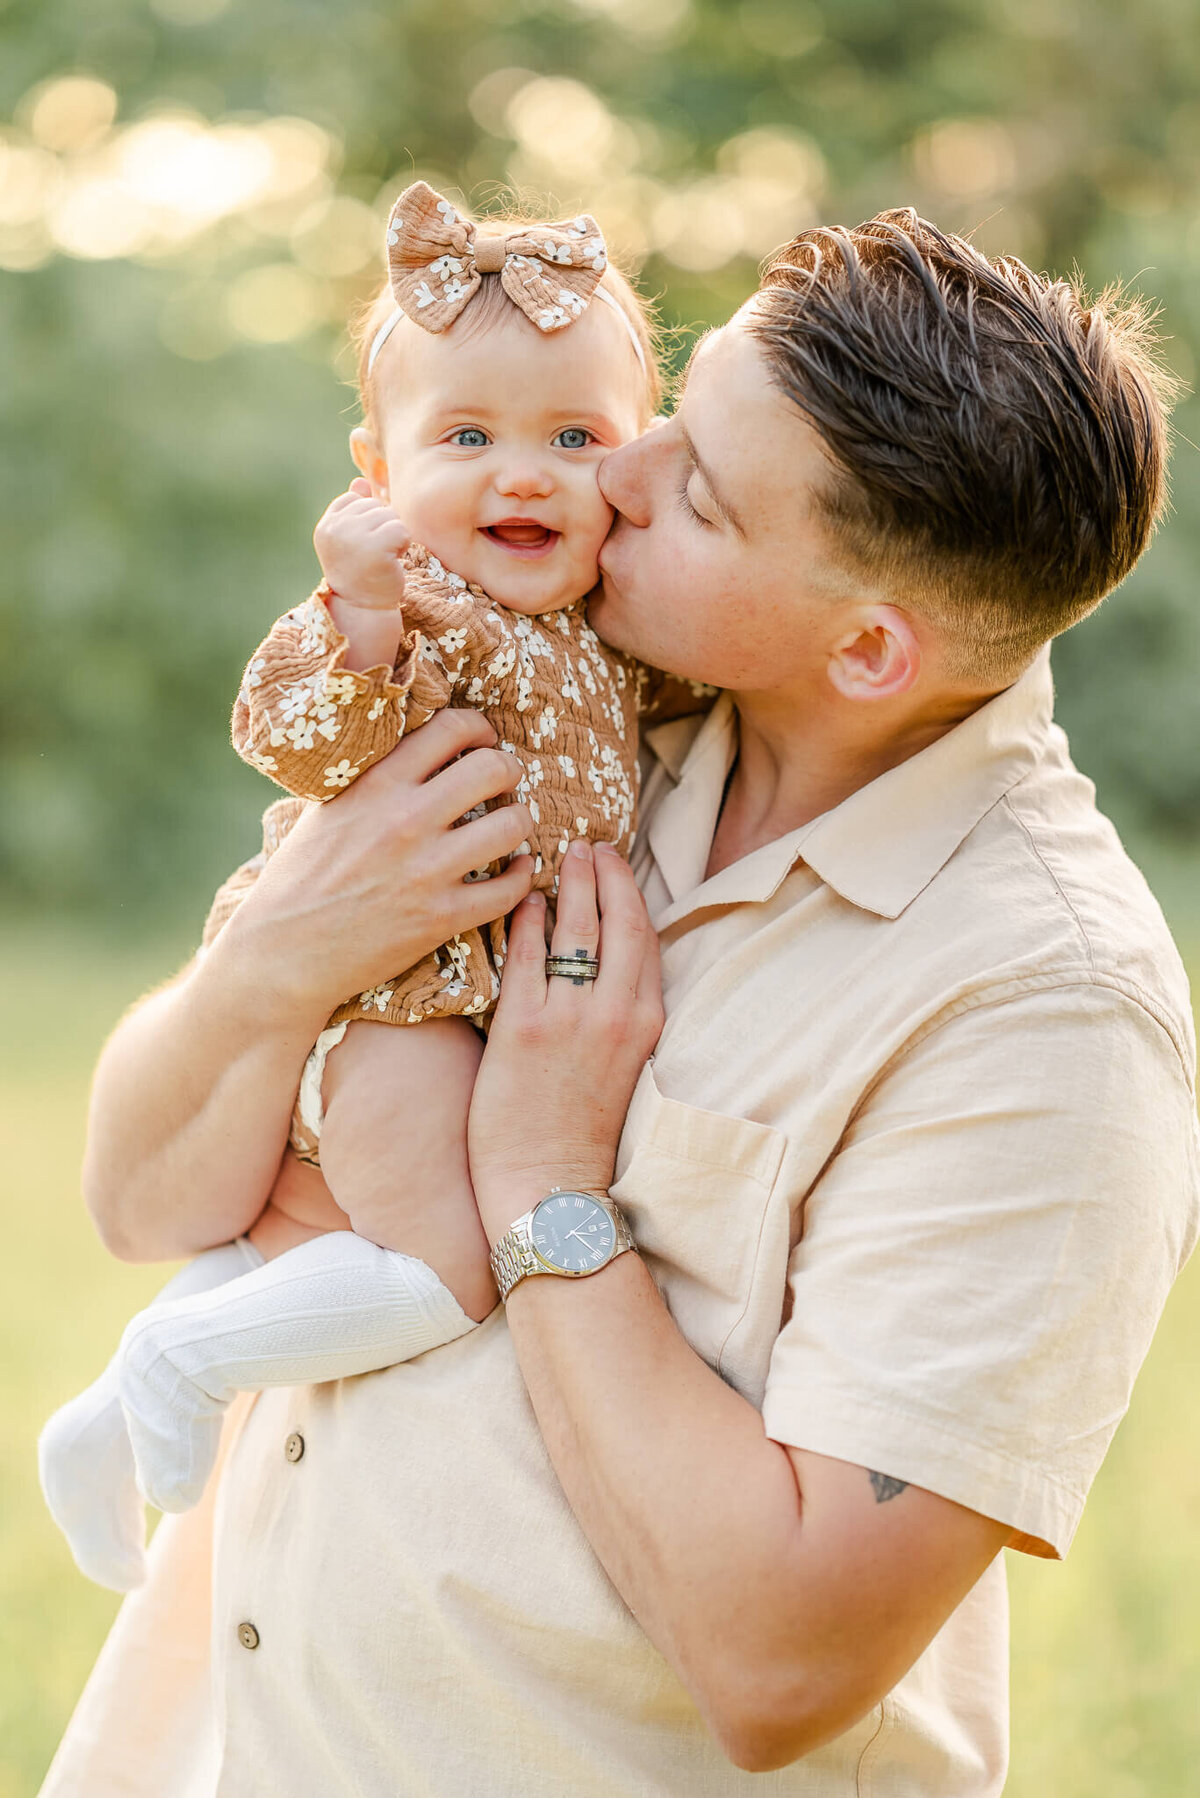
[488, 443]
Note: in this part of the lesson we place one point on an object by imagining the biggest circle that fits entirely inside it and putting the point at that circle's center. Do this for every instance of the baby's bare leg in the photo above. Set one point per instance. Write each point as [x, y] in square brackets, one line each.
[394, 1147]
[300, 1207]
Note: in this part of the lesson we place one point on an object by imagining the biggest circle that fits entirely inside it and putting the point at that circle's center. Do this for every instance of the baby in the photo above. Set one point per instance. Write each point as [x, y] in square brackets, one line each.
[493, 385]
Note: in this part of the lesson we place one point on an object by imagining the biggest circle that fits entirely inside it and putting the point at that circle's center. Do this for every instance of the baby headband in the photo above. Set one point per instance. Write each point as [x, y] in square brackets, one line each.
[436, 259]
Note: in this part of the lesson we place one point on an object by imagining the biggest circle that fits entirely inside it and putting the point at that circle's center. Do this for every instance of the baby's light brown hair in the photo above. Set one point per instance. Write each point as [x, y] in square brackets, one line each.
[491, 304]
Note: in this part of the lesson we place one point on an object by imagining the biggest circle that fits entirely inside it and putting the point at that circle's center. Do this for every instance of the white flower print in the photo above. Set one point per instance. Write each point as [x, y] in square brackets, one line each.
[424, 296]
[447, 211]
[574, 303]
[295, 701]
[453, 640]
[452, 292]
[547, 724]
[300, 735]
[253, 674]
[596, 253]
[552, 319]
[444, 267]
[341, 774]
[340, 688]
[377, 996]
[378, 708]
[394, 230]
[568, 767]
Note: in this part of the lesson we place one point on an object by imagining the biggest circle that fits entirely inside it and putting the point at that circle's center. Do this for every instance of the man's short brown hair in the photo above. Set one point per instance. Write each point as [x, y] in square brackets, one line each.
[999, 443]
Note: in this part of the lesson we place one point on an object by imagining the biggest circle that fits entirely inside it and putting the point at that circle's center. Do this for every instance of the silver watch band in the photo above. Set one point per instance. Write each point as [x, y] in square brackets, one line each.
[514, 1257]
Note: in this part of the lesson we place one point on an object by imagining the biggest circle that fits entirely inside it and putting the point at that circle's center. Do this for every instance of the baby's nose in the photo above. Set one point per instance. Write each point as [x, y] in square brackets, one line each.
[526, 477]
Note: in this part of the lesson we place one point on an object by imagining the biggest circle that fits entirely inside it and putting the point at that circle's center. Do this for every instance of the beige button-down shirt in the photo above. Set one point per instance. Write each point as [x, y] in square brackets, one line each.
[915, 1165]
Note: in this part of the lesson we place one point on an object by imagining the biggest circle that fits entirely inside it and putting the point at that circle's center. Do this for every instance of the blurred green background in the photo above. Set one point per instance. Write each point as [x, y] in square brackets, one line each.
[191, 201]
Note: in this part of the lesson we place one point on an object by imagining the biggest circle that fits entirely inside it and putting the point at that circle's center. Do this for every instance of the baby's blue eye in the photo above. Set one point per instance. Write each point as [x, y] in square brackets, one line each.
[574, 437]
[470, 438]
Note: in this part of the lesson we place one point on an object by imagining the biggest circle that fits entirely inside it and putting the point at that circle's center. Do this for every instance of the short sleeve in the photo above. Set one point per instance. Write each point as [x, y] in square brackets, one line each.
[984, 1260]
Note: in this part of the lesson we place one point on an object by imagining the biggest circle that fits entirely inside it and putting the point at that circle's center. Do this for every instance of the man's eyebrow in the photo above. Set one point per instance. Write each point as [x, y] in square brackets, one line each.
[719, 501]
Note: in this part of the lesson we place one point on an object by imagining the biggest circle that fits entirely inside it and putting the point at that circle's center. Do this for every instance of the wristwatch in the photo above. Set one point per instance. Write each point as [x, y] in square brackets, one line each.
[567, 1233]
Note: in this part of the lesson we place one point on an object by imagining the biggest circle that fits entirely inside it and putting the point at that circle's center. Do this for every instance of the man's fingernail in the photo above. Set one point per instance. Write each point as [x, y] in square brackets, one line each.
[608, 848]
[580, 848]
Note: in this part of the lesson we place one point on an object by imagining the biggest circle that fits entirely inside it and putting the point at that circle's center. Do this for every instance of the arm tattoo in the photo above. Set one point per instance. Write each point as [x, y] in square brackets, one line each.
[885, 1487]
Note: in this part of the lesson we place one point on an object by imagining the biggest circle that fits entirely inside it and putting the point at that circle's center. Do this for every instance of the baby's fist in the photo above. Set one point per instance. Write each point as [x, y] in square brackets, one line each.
[359, 541]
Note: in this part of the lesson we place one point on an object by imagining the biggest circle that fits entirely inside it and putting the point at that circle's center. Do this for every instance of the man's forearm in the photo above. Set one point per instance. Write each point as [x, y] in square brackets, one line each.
[190, 1108]
[786, 1595]
[694, 1513]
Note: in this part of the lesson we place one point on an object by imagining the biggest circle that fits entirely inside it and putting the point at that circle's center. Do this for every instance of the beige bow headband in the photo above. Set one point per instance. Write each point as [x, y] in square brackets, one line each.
[436, 259]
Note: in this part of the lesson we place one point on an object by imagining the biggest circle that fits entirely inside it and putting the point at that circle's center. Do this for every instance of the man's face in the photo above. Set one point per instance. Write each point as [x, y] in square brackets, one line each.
[718, 567]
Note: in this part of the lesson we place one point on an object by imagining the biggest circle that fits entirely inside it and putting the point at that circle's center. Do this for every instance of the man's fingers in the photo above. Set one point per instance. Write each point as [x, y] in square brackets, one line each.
[502, 894]
[492, 838]
[524, 984]
[481, 774]
[624, 925]
[448, 734]
[577, 923]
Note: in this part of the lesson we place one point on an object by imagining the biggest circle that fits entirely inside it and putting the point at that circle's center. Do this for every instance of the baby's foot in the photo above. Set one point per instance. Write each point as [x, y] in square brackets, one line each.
[86, 1467]
[174, 1426]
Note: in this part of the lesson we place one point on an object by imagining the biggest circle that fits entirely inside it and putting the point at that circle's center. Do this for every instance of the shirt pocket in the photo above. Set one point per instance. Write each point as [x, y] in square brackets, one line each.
[700, 1190]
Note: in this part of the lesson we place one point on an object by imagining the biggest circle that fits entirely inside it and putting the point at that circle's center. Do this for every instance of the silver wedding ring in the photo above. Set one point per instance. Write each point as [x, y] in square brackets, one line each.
[579, 967]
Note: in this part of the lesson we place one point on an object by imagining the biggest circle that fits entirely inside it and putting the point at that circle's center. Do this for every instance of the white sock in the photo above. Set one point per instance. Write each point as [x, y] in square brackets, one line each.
[333, 1307]
[84, 1456]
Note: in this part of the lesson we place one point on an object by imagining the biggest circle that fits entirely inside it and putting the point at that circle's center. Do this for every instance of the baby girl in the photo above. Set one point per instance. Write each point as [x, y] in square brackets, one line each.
[456, 572]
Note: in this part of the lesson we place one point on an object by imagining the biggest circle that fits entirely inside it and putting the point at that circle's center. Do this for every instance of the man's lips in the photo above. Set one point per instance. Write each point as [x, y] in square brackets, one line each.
[522, 536]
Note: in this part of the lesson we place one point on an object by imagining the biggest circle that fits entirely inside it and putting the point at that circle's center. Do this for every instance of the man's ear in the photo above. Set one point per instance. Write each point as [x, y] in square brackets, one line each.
[878, 657]
[369, 460]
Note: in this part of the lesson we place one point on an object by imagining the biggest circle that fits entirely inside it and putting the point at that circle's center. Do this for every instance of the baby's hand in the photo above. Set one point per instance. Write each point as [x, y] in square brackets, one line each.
[359, 541]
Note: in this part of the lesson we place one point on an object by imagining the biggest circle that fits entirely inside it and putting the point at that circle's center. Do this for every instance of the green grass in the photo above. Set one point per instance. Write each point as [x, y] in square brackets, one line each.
[1106, 1648]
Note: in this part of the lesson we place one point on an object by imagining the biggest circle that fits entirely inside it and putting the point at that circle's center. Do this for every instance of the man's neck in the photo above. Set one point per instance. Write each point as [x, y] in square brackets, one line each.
[799, 756]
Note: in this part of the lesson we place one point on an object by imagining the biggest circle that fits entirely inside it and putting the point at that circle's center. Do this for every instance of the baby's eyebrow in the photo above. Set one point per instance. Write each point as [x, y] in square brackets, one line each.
[719, 501]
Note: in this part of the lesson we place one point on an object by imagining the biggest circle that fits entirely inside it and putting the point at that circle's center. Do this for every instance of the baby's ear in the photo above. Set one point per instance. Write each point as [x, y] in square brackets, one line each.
[369, 460]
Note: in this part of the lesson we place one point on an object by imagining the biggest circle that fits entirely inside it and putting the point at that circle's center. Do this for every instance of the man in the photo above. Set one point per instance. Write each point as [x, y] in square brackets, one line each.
[911, 1172]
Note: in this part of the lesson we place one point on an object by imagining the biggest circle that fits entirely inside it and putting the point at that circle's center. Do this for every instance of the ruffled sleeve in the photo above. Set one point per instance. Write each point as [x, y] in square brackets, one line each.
[306, 719]
[314, 725]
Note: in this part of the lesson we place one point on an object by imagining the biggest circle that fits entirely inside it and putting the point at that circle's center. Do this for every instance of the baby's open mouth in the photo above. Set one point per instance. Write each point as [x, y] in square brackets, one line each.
[523, 535]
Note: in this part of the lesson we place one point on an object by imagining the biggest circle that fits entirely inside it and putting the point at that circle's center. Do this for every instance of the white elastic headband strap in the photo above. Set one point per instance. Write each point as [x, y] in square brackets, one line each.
[381, 336]
[599, 293]
[602, 293]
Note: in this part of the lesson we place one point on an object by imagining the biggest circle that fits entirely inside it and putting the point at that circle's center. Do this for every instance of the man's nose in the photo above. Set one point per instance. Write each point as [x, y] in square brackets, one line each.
[622, 477]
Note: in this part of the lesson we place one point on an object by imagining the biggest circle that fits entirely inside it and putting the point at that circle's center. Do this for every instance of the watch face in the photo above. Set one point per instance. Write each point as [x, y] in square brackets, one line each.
[572, 1232]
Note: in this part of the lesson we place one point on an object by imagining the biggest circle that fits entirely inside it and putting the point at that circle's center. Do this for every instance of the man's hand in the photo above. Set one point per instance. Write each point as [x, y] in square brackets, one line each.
[194, 1090]
[562, 1059]
[359, 541]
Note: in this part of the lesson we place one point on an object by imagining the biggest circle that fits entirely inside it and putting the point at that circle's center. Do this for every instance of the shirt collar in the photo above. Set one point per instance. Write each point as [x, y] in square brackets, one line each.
[880, 847]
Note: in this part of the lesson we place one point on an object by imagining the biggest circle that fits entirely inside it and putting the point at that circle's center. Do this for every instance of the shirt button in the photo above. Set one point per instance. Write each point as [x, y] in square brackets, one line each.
[247, 1635]
[293, 1448]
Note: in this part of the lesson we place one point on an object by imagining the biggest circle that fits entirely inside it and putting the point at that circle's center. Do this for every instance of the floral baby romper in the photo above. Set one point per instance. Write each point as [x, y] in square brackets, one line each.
[563, 703]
